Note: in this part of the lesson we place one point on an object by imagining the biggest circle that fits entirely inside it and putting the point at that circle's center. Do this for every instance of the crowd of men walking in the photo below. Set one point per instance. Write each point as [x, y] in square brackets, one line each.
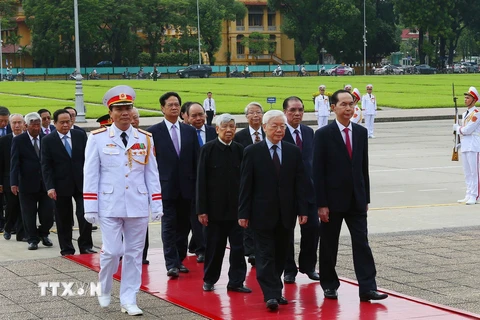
[247, 188]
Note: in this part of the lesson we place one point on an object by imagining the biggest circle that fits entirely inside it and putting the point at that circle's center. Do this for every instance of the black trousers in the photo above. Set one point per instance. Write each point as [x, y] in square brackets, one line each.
[217, 233]
[363, 262]
[64, 221]
[270, 255]
[31, 205]
[175, 229]
[197, 242]
[145, 248]
[2, 212]
[13, 215]
[249, 241]
[209, 117]
[307, 258]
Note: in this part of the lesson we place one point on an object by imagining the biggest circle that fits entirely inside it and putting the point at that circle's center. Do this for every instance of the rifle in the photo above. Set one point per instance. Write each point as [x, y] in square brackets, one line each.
[455, 120]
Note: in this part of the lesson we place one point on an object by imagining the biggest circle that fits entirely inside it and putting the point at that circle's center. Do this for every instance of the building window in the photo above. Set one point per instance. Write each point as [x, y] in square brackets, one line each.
[273, 44]
[240, 46]
[240, 24]
[255, 17]
[271, 19]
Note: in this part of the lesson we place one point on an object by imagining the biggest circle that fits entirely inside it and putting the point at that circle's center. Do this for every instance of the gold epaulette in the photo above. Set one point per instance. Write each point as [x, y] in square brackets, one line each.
[145, 132]
[99, 130]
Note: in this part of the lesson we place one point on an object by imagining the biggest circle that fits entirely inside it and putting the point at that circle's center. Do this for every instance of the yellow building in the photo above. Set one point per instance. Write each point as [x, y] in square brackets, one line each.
[259, 18]
[17, 55]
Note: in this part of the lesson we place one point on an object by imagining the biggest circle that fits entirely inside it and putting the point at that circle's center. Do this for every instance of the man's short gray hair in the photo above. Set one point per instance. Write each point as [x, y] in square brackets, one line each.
[224, 118]
[32, 116]
[14, 115]
[136, 111]
[273, 114]
[253, 104]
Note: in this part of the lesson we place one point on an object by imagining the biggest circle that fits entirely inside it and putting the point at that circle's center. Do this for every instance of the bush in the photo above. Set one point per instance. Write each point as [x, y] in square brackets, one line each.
[144, 59]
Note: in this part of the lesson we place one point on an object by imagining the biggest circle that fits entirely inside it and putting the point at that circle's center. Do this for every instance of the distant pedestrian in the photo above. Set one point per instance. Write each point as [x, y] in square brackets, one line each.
[369, 108]
[210, 108]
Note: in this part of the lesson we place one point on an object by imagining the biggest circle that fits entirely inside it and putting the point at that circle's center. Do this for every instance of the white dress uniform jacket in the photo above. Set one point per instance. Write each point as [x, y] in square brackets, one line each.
[121, 181]
[322, 106]
[470, 131]
[369, 104]
[357, 115]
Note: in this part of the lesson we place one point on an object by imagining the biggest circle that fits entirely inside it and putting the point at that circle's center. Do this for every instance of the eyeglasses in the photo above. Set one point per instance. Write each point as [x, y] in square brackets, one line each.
[276, 127]
[369, 88]
[255, 113]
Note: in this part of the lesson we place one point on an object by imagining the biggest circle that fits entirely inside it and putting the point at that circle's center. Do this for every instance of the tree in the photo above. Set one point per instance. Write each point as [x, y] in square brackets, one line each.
[257, 43]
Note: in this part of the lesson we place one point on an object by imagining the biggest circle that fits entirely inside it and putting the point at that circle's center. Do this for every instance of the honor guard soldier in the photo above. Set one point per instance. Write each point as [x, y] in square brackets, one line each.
[469, 131]
[369, 108]
[322, 107]
[104, 121]
[357, 112]
[121, 187]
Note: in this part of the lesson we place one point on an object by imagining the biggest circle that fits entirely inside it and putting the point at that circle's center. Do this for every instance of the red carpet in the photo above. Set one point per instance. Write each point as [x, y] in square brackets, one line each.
[305, 297]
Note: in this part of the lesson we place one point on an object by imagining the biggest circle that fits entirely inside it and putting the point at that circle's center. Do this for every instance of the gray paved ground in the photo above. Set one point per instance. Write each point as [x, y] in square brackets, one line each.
[425, 244]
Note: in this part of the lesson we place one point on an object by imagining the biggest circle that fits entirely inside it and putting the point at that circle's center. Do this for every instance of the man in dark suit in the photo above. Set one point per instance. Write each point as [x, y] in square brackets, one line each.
[26, 180]
[13, 218]
[177, 146]
[73, 114]
[196, 115]
[342, 188]
[63, 157]
[46, 116]
[252, 134]
[4, 130]
[271, 196]
[302, 136]
[218, 181]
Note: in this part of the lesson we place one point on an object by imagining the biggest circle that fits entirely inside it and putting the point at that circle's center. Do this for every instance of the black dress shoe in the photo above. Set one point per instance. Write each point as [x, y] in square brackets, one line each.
[282, 300]
[272, 304]
[251, 260]
[7, 235]
[32, 246]
[242, 289]
[372, 295]
[173, 272]
[145, 261]
[68, 254]
[94, 228]
[313, 275]
[183, 269]
[330, 294]
[13, 231]
[46, 241]
[208, 286]
[201, 258]
[22, 240]
[288, 278]
[87, 251]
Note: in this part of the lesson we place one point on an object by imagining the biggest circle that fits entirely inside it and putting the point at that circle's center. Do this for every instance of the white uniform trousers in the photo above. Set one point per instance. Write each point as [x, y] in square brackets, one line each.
[470, 161]
[133, 231]
[322, 121]
[369, 118]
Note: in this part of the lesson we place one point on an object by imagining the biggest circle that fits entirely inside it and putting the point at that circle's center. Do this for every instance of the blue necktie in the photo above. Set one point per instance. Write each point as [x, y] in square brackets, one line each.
[200, 141]
[4, 131]
[67, 146]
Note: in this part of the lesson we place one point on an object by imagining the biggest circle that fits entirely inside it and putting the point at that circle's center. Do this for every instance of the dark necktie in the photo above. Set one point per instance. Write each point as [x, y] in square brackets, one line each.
[347, 142]
[47, 130]
[466, 114]
[124, 138]
[257, 137]
[199, 136]
[298, 141]
[4, 131]
[36, 147]
[276, 159]
[370, 95]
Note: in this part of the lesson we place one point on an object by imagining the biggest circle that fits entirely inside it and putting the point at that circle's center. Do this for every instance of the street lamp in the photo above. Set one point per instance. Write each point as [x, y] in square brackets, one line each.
[364, 41]
[198, 33]
[1, 51]
[79, 105]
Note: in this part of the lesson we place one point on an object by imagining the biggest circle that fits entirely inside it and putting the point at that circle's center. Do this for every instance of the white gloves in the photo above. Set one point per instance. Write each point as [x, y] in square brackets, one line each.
[455, 127]
[91, 217]
[155, 216]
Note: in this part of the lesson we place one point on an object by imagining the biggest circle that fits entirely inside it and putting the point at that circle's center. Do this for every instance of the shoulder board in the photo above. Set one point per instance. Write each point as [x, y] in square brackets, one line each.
[145, 132]
[99, 130]
[475, 110]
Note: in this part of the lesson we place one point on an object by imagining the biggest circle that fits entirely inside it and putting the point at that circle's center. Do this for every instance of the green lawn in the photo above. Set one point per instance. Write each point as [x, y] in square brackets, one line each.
[232, 95]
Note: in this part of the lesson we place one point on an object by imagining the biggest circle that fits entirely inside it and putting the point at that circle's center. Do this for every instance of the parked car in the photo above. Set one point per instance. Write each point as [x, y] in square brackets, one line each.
[454, 68]
[389, 69]
[424, 69]
[105, 64]
[195, 70]
[469, 67]
[341, 71]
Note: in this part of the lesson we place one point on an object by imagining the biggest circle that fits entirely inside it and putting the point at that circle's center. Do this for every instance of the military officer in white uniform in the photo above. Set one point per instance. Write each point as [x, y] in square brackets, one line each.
[348, 87]
[469, 132]
[322, 107]
[121, 187]
[357, 112]
[369, 108]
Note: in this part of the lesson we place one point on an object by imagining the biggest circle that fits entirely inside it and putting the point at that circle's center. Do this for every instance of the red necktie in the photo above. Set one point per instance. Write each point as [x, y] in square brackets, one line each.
[298, 141]
[347, 142]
